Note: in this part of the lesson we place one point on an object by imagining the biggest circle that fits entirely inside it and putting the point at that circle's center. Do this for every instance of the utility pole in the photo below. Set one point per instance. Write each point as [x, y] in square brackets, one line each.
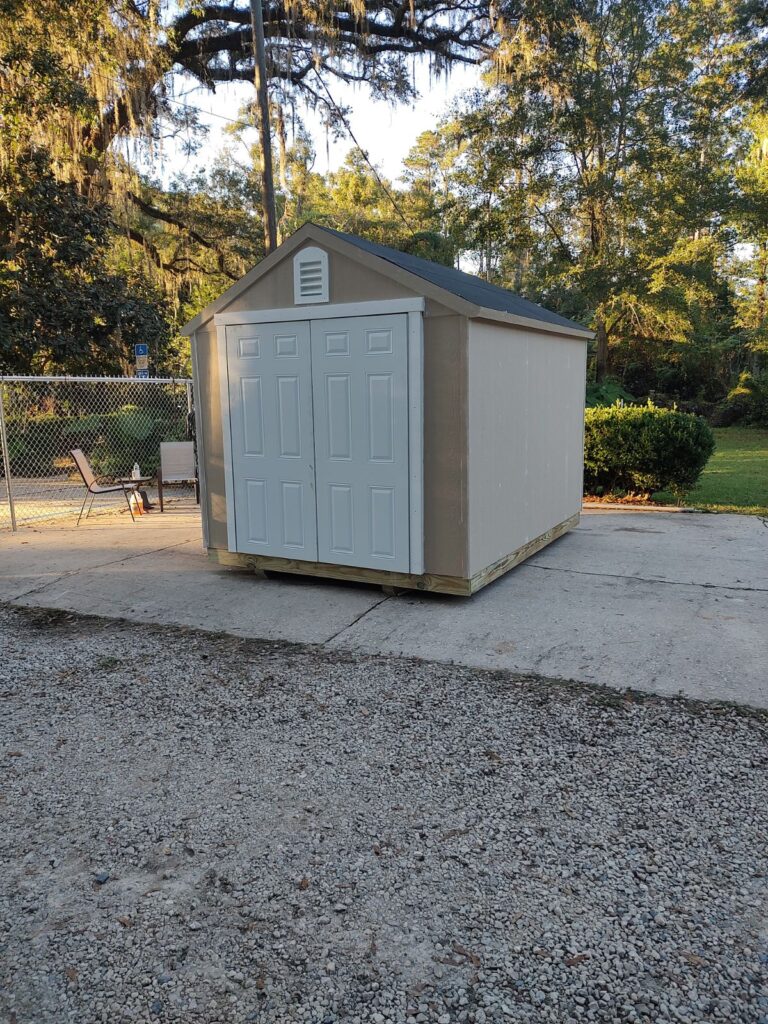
[265, 136]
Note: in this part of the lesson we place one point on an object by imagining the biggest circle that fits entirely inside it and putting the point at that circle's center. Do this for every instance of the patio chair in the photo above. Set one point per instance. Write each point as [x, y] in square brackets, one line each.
[92, 487]
[177, 466]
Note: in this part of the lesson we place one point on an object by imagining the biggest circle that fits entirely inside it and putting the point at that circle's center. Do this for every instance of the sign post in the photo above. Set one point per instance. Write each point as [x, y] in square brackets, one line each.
[141, 355]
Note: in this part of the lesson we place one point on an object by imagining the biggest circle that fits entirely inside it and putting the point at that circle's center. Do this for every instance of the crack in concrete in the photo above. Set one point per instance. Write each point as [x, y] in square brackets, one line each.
[355, 621]
[38, 589]
[647, 579]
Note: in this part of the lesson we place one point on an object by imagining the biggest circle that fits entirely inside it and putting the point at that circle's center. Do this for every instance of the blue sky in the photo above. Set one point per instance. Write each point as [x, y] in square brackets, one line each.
[386, 132]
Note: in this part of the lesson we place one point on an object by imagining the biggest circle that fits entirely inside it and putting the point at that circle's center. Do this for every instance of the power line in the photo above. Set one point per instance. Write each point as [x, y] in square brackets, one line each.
[244, 124]
[348, 127]
[342, 117]
[209, 113]
[345, 121]
[169, 99]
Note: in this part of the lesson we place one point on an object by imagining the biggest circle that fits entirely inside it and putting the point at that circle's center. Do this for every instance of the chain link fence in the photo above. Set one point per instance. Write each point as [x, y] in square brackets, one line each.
[116, 421]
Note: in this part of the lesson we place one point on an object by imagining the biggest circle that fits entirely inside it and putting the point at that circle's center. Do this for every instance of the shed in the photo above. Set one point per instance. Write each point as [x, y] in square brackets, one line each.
[365, 414]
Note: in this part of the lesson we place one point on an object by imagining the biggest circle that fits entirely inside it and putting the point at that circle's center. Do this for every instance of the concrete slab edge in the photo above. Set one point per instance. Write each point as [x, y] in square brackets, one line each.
[606, 695]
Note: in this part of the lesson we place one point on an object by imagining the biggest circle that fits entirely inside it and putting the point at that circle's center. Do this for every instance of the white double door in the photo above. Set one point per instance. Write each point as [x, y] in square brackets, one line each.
[318, 416]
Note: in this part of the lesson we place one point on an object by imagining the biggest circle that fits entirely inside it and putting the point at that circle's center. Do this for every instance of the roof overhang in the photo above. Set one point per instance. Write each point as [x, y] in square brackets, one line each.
[483, 313]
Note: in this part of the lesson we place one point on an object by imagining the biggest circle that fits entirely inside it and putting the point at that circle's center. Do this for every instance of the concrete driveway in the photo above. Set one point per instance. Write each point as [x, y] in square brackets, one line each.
[663, 602]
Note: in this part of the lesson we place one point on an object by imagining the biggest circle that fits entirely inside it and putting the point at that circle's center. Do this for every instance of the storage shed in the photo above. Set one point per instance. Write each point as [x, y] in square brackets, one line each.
[369, 415]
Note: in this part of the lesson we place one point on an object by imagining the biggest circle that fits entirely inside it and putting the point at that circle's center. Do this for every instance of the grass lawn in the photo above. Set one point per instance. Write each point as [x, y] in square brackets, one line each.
[736, 477]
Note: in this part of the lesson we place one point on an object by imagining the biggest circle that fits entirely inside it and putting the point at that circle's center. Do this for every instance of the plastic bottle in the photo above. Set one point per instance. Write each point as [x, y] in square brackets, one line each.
[136, 472]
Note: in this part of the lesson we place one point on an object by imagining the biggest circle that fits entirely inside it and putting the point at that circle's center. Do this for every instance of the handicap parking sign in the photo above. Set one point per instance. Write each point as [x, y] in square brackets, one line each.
[141, 349]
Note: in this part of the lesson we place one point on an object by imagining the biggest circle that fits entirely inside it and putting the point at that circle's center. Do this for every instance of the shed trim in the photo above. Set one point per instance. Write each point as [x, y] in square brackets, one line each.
[226, 430]
[202, 482]
[498, 316]
[325, 312]
[416, 440]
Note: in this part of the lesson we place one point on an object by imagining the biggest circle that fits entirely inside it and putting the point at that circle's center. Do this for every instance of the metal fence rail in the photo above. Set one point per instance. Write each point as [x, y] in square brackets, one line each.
[117, 421]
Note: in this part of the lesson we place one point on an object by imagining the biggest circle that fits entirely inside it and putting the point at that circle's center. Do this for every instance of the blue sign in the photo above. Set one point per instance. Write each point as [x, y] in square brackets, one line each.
[142, 349]
[143, 374]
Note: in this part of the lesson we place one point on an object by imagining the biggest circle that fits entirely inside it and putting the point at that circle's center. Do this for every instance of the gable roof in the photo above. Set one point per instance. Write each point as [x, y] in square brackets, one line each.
[465, 286]
[468, 295]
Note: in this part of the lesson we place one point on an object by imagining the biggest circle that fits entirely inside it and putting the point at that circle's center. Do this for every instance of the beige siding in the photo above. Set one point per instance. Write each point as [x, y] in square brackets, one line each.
[208, 420]
[348, 281]
[526, 414]
[445, 445]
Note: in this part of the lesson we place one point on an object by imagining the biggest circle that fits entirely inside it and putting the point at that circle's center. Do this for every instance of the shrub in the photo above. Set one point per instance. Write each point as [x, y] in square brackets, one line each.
[607, 393]
[113, 441]
[641, 449]
[746, 403]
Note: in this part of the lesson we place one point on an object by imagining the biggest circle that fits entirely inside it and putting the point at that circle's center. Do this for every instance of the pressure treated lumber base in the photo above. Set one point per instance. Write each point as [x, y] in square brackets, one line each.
[463, 587]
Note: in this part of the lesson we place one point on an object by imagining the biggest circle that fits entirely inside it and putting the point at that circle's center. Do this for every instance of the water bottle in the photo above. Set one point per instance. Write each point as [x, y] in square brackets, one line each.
[136, 472]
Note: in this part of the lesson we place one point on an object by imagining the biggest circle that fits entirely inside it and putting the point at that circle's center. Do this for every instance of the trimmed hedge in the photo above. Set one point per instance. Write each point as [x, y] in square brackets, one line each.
[642, 449]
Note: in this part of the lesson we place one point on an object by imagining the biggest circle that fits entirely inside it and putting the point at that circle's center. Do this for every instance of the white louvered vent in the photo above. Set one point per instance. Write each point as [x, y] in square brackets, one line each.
[310, 276]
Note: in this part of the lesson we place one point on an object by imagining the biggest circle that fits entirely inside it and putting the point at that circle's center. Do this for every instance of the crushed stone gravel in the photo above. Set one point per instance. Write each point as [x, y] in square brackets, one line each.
[197, 828]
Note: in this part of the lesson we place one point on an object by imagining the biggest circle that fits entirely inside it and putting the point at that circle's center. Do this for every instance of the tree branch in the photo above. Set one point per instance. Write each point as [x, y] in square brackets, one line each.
[140, 239]
[558, 237]
[198, 36]
[156, 213]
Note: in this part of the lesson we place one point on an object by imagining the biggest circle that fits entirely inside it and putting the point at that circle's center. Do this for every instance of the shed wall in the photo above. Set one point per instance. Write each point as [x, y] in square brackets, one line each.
[348, 282]
[446, 550]
[525, 436]
[208, 421]
[445, 431]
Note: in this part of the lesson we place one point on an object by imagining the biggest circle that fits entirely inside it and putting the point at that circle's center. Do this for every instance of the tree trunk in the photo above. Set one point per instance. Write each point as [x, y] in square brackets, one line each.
[761, 302]
[488, 242]
[265, 134]
[601, 355]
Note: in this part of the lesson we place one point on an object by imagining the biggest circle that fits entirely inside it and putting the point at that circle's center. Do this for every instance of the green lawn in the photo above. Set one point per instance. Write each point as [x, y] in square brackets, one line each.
[736, 477]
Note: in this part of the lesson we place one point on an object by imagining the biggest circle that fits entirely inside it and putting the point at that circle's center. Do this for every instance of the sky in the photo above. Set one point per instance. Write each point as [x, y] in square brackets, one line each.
[386, 132]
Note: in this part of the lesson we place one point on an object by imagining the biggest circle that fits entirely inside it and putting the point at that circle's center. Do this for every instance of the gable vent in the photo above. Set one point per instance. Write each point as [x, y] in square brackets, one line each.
[310, 276]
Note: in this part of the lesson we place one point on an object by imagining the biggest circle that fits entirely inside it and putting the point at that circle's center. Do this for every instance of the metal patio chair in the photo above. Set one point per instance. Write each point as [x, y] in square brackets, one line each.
[92, 487]
[177, 466]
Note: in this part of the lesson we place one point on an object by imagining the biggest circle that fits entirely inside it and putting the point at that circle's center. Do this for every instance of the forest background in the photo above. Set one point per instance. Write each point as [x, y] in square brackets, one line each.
[611, 165]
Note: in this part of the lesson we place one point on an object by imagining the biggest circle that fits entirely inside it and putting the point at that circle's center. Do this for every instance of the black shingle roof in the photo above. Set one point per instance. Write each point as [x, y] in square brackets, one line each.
[466, 286]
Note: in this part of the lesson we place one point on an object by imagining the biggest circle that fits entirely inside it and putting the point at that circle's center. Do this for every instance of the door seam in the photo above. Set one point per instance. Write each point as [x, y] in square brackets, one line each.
[314, 438]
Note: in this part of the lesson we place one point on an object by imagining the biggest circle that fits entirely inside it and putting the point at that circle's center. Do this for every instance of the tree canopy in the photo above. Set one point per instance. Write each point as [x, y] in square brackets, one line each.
[611, 165]
[88, 92]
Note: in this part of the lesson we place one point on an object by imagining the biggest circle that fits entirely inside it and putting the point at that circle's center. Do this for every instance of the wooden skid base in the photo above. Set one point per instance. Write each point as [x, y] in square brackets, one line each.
[492, 572]
[458, 585]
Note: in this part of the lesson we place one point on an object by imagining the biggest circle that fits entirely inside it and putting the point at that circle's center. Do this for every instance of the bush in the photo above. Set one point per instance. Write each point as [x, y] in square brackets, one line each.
[746, 403]
[607, 393]
[112, 441]
[642, 449]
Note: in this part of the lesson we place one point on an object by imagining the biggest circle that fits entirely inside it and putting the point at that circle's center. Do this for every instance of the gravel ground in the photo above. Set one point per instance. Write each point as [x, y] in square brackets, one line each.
[203, 829]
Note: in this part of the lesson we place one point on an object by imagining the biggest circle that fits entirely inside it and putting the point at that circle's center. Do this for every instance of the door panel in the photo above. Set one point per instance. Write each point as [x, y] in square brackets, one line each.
[270, 391]
[360, 388]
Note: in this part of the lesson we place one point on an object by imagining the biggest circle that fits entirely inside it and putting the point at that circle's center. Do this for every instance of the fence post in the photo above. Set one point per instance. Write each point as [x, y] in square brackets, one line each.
[6, 460]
